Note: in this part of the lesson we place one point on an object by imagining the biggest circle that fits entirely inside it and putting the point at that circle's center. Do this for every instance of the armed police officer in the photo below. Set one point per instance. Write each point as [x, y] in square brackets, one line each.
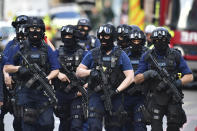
[9, 101]
[159, 67]
[26, 61]
[110, 72]
[86, 41]
[134, 97]
[122, 36]
[70, 100]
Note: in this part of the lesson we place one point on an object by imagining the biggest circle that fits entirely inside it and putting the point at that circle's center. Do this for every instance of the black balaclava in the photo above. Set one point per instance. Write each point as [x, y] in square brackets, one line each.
[161, 46]
[69, 43]
[122, 43]
[35, 41]
[35, 22]
[85, 31]
[136, 48]
[108, 46]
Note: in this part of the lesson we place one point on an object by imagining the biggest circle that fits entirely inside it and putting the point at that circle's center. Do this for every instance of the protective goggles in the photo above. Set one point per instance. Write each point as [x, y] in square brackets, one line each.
[136, 35]
[159, 33]
[67, 30]
[22, 18]
[105, 30]
[121, 30]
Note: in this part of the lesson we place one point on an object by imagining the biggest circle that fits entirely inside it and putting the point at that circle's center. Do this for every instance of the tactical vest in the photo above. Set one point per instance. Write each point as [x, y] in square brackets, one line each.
[87, 44]
[39, 56]
[110, 63]
[170, 62]
[71, 61]
[135, 59]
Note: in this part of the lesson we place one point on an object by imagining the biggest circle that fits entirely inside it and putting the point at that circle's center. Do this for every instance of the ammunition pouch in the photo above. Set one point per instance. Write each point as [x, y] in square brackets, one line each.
[30, 116]
[121, 117]
[176, 115]
[146, 115]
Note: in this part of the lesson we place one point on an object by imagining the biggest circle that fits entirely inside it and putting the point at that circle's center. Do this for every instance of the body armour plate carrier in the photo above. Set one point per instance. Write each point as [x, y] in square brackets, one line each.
[170, 62]
[39, 56]
[110, 63]
[71, 61]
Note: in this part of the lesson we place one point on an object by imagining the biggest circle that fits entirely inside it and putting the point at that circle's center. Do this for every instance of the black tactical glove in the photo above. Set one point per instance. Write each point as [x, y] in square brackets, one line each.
[150, 74]
[113, 92]
[94, 74]
[162, 86]
[23, 72]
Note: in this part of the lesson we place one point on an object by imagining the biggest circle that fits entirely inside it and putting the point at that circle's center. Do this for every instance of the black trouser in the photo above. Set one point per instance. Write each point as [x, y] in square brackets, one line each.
[175, 115]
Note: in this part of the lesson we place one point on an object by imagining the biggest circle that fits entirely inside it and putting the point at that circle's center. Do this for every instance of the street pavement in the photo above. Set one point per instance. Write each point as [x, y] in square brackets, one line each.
[190, 106]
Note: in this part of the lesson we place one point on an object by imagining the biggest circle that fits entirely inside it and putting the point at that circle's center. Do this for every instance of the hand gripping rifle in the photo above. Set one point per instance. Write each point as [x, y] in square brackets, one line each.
[78, 83]
[167, 79]
[40, 76]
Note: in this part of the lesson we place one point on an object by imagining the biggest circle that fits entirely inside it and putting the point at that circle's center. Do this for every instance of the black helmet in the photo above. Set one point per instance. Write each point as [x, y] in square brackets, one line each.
[84, 22]
[135, 27]
[161, 38]
[137, 35]
[123, 29]
[107, 29]
[160, 33]
[68, 30]
[22, 19]
[37, 22]
[122, 35]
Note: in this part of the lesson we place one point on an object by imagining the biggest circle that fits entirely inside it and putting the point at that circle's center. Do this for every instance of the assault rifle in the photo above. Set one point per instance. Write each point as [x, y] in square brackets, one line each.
[40, 76]
[78, 83]
[167, 79]
[105, 86]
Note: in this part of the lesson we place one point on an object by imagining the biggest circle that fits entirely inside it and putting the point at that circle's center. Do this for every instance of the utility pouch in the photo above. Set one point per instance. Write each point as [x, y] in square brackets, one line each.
[146, 115]
[30, 116]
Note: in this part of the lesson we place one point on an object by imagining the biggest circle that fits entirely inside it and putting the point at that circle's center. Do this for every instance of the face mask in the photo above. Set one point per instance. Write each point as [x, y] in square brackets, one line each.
[136, 48]
[122, 43]
[20, 37]
[69, 42]
[36, 40]
[85, 32]
[161, 46]
[108, 46]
